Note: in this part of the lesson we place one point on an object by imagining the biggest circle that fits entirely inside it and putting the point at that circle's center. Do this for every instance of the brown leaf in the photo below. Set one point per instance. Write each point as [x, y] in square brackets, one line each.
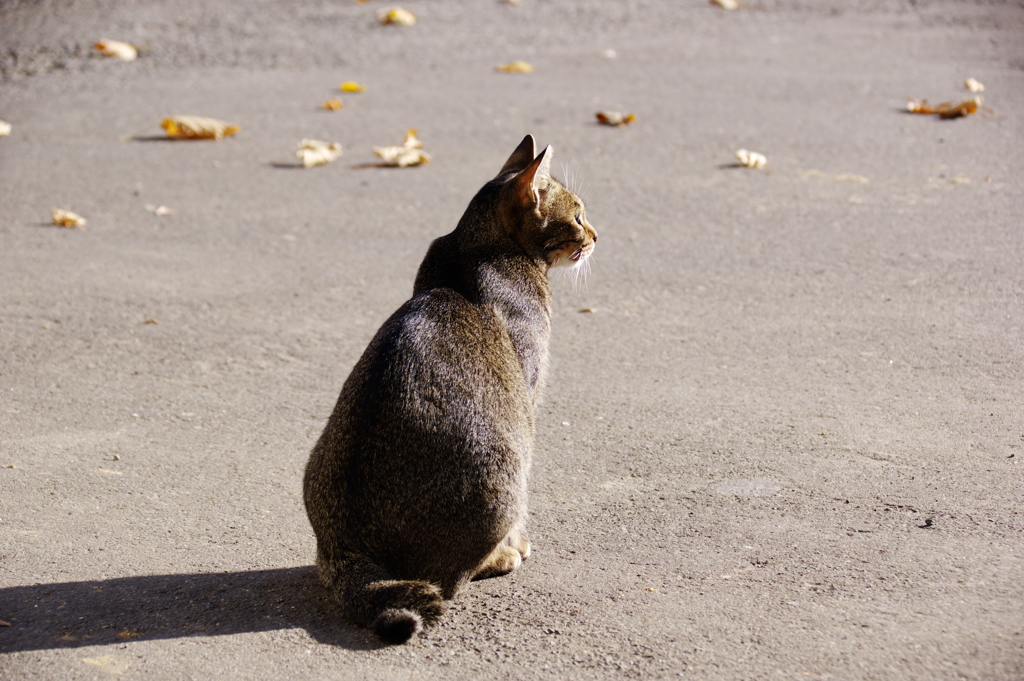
[316, 153]
[945, 109]
[407, 154]
[616, 118]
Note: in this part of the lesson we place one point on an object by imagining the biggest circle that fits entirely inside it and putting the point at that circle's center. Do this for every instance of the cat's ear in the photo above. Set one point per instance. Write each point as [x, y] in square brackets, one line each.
[533, 180]
[521, 157]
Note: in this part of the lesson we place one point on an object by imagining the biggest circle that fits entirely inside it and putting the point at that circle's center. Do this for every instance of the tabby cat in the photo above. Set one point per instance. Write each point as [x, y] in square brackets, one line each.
[418, 483]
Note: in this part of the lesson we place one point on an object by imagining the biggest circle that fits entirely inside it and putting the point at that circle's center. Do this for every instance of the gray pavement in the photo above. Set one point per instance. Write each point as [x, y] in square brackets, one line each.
[784, 442]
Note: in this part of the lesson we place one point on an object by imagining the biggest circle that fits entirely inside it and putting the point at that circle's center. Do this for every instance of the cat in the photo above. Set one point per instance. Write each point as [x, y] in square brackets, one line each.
[418, 483]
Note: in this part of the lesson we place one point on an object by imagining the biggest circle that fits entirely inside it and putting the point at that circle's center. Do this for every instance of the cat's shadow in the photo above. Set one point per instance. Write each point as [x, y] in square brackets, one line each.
[115, 611]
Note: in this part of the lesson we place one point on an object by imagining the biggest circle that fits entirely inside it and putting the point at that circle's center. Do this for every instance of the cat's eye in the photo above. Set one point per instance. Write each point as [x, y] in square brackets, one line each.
[579, 221]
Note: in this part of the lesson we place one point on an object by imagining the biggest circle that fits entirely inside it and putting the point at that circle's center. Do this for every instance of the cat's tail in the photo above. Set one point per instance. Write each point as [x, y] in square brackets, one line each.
[396, 610]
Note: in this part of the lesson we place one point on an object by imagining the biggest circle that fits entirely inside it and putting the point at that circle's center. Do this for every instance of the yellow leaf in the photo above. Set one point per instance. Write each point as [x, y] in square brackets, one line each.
[197, 128]
[396, 15]
[516, 66]
[65, 218]
[316, 153]
[350, 86]
[116, 48]
[332, 104]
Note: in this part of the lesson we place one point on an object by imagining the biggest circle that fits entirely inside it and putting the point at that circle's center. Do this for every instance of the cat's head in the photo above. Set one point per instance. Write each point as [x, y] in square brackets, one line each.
[539, 213]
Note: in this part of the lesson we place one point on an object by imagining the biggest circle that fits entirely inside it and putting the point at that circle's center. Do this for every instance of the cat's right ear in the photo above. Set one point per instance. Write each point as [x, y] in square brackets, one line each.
[532, 181]
[521, 158]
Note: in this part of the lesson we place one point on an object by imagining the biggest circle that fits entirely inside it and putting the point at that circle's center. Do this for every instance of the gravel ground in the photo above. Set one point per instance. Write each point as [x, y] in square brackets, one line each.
[783, 431]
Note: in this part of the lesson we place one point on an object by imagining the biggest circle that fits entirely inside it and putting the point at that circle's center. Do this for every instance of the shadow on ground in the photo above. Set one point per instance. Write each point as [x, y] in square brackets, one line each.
[76, 614]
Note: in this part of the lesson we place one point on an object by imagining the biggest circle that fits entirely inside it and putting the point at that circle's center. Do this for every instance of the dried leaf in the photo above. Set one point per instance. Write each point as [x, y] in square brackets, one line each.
[974, 85]
[404, 155]
[316, 153]
[396, 15]
[726, 4]
[332, 104]
[516, 66]
[615, 118]
[197, 128]
[351, 86]
[5, 128]
[128, 634]
[65, 218]
[116, 48]
[945, 109]
[751, 159]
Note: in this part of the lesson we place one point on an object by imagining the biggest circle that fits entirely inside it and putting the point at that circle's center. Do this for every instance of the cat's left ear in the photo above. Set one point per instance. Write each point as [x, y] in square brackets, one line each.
[533, 180]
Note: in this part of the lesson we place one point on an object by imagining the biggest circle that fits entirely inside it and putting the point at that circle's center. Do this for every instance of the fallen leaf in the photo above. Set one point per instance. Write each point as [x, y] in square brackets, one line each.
[107, 663]
[396, 15]
[116, 48]
[5, 128]
[517, 66]
[128, 633]
[407, 154]
[197, 128]
[726, 4]
[151, 320]
[587, 310]
[974, 85]
[350, 86]
[332, 104]
[615, 118]
[65, 218]
[751, 159]
[945, 109]
[316, 153]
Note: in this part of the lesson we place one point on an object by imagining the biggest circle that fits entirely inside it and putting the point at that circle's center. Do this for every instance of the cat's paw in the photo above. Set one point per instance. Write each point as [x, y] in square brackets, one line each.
[503, 560]
[521, 544]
